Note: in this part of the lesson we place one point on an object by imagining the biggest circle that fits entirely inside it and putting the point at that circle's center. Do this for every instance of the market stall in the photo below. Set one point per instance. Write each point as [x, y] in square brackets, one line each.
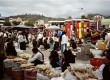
[80, 26]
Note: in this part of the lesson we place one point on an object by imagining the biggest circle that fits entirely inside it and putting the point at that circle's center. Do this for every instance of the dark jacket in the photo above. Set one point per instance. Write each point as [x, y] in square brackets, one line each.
[10, 50]
[54, 58]
[68, 58]
[106, 72]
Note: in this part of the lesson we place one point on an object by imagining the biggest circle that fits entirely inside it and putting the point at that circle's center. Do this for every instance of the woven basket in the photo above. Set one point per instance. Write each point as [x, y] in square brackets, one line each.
[8, 71]
[18, 75]
[30, 75]
[29, 78]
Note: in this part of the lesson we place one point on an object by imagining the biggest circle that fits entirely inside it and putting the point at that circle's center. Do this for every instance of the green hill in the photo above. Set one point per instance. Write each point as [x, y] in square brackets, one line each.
[35, 17]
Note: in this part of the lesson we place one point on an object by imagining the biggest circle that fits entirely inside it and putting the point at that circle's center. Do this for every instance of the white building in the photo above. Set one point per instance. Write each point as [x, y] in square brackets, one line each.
[2, 20]
[39, 22]
[15, 19]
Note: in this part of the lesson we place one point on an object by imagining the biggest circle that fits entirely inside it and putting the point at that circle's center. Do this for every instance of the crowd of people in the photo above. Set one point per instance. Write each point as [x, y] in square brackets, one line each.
[58, 41]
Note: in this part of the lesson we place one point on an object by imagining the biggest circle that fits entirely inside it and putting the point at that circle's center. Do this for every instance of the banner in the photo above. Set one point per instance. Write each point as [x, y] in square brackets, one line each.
[80, 29]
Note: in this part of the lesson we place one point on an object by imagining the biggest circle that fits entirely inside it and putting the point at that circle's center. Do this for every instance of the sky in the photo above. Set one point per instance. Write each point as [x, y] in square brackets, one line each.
[55, 8]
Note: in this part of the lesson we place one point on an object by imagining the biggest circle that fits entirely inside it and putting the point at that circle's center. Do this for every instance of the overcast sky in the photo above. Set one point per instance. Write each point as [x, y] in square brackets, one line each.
[54, 8]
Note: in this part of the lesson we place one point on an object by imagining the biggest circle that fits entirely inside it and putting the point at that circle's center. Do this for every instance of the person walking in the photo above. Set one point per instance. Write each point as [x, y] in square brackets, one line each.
[64, 41]
[22, 41]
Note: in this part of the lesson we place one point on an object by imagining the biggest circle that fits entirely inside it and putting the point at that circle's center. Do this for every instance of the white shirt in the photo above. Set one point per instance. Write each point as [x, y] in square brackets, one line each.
[5, 35]
[107, 38]
[55, 39]
[64, 39]
[44, 38]
[29, 36]
[40, 35]
[100, 71]
[1, 33]
[20, 38]
[38, 56]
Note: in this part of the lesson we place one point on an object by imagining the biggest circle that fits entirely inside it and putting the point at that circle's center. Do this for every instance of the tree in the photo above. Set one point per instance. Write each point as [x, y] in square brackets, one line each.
[29, 23]
[7, 23]
[83, 17]
[90, 16]
[69, 17]
[16, 22]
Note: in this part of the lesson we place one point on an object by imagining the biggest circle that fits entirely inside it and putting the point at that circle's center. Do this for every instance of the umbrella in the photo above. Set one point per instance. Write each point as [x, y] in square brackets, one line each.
[20, 26]
[53, 27]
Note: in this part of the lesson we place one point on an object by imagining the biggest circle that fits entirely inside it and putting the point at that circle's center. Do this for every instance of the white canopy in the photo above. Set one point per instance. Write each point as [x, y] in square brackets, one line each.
[53, 27]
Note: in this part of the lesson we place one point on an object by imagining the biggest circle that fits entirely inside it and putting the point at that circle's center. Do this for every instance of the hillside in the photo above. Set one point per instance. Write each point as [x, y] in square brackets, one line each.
[35, 17]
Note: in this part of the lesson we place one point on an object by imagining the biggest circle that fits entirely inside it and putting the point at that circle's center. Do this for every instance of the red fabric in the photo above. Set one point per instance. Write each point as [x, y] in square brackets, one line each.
[97, 62]
[77, 28]
[68, 29]
[48, 32]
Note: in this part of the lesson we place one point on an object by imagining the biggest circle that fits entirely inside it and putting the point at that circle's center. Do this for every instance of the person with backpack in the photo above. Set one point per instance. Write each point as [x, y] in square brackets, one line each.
[104, 70]
[37, 57]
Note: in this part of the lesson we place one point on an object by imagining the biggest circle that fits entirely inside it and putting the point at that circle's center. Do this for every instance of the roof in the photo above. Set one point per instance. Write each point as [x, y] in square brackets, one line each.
[2, 18]
[105, 22]
[77, 20]
[56, 21]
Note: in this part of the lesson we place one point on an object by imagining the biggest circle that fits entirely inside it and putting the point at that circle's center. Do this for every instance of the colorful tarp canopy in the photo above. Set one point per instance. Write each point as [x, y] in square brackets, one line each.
[21, 26]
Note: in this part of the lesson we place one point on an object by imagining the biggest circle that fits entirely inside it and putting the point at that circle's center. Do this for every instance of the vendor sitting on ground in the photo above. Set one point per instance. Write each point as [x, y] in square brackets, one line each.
[54, 58]
[104, 69]
[10, 48]
[37, 57]
[69, 57]
[73, 43]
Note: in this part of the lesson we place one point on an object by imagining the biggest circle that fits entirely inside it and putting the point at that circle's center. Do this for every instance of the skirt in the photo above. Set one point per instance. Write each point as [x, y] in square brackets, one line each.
[23, 45]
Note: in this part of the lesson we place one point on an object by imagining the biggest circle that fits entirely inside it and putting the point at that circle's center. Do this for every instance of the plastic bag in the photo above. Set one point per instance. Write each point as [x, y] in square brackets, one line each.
[58, 78]
[42, 77]
[69, 76]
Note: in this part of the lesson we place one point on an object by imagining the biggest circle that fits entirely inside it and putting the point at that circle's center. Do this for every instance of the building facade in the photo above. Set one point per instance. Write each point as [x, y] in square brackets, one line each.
[15, 19]
[2, 20]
